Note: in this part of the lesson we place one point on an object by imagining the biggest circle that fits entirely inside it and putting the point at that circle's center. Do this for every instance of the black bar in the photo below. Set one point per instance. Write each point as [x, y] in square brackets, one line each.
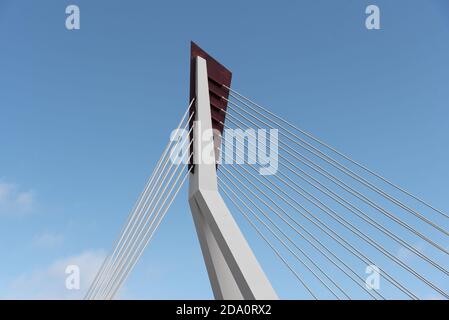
[207, 309]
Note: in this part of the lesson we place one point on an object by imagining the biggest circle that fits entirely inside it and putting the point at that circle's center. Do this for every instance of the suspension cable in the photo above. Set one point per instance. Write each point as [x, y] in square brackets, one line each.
[358, 164]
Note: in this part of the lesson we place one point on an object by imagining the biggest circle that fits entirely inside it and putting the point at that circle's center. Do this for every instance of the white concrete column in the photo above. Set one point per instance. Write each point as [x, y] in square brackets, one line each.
[234, 271]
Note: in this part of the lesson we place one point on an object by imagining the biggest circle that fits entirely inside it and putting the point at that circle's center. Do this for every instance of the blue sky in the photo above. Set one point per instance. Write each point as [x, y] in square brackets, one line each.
[85, 114]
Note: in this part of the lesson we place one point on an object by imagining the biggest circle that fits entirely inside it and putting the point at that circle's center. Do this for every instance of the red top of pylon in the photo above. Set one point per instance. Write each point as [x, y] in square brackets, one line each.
[218, 76]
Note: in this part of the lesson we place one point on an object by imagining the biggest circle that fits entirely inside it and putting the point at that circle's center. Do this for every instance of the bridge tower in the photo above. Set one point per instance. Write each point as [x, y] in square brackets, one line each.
[233, 269]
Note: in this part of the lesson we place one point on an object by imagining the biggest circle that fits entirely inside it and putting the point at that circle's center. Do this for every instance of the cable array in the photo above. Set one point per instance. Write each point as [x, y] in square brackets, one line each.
[331, 216]
[326, 217]
[150, 209]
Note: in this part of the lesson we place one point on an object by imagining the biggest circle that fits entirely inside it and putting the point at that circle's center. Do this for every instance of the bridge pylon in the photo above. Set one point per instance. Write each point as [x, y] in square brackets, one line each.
[233, 269]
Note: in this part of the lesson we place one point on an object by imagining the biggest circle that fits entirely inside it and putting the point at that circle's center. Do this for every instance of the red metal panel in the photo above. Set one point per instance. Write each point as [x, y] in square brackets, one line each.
[218, 76]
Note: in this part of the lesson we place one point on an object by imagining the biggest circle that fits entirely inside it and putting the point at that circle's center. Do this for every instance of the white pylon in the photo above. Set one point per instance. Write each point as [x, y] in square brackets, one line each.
[234, 271]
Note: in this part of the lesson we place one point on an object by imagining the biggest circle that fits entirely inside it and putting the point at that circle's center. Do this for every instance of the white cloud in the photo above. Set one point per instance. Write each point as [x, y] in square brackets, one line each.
[14, 201]
[48, 240]
[50, 282]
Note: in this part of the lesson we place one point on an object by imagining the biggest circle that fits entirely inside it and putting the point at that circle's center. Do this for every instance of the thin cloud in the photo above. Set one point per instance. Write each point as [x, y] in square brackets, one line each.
[50, 282]
[14, 201]
[48, 240]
